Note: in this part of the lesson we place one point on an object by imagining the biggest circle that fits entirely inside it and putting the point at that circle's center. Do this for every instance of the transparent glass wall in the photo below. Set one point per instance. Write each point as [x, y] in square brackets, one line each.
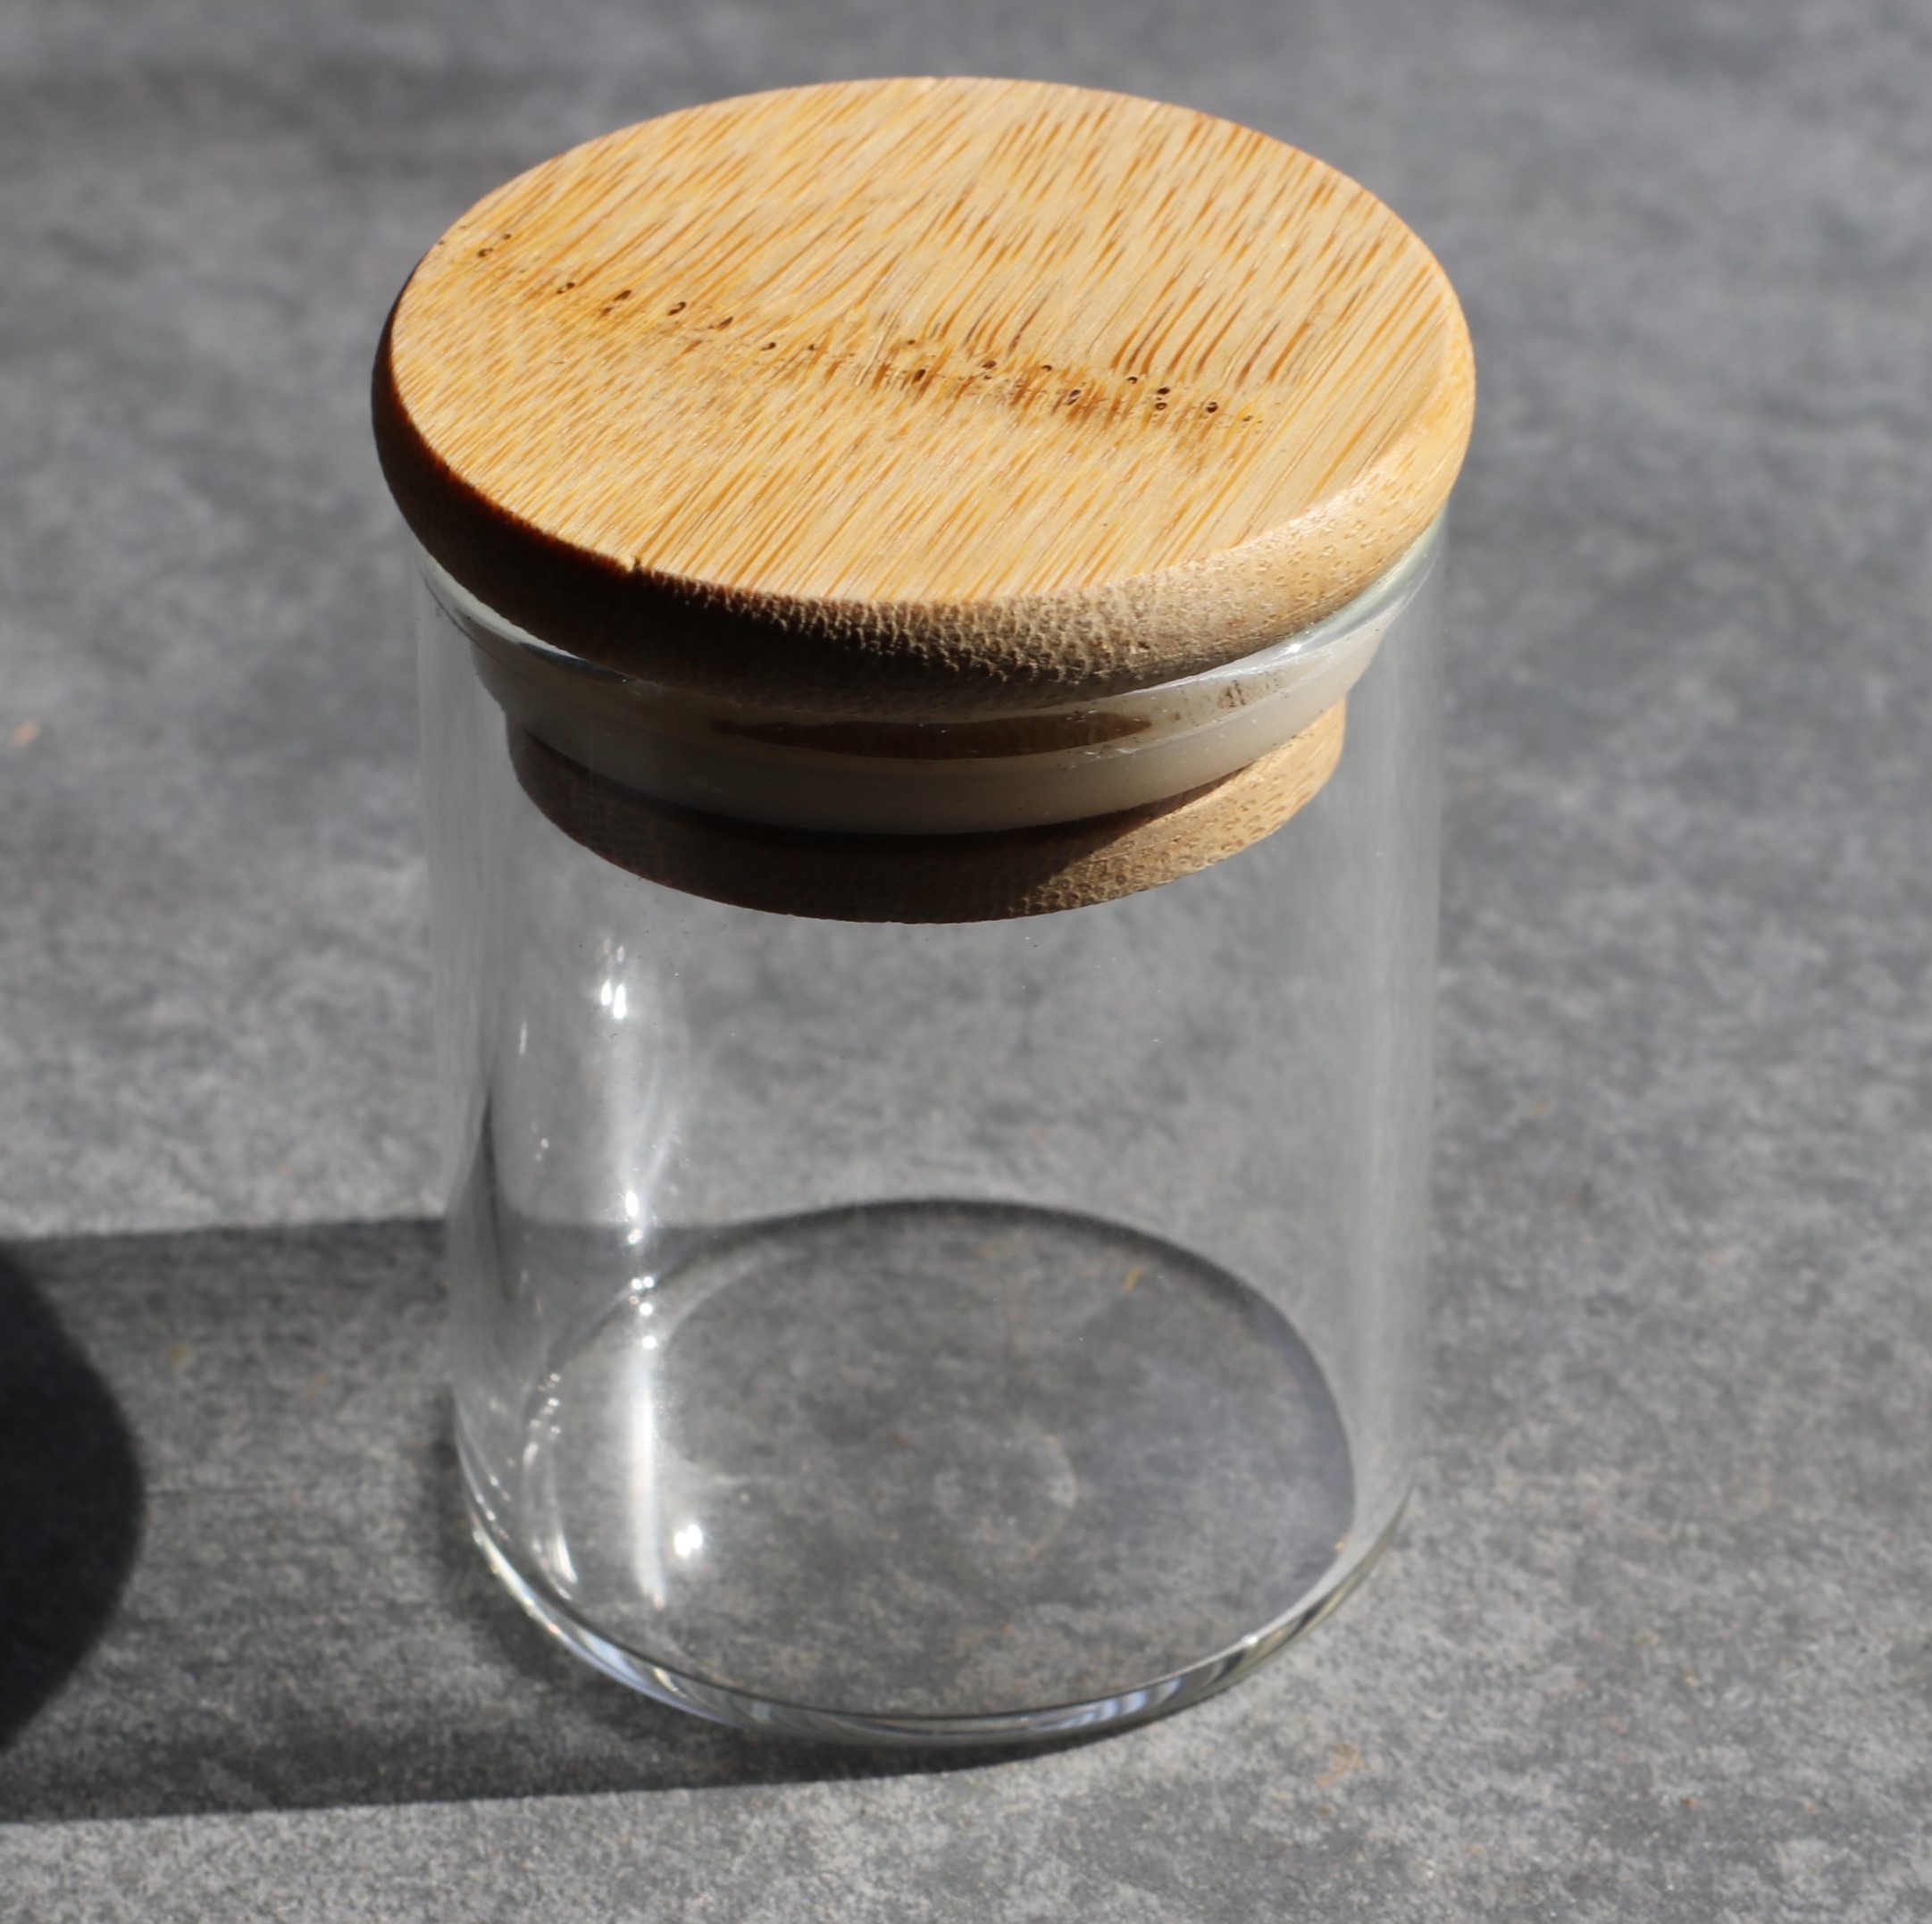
[938, 1332]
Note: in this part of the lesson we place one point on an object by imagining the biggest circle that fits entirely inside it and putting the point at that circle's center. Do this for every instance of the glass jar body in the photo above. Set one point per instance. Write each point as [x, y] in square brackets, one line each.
[937, 1332]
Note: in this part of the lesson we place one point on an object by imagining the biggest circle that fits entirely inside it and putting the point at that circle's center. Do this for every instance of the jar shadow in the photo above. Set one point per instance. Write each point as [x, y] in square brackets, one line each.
[235, 1569]
[71, 1504]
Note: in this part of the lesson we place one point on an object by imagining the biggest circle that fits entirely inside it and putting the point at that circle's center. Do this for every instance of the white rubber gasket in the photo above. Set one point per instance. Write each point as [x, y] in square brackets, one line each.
[763, 765]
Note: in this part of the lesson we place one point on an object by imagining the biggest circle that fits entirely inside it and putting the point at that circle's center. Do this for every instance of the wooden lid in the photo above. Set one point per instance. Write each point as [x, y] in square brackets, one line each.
[924, 395]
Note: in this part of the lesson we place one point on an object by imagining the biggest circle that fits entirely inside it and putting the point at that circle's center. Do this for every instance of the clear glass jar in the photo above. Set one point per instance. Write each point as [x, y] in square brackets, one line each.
[936, 1331]
[929, 667]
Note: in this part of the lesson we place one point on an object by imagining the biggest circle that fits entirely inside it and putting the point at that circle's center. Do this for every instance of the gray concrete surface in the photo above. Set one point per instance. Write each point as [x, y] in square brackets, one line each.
[1656, 1642]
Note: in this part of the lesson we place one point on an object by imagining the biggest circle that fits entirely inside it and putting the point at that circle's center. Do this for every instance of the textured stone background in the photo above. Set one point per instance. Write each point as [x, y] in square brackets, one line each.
[1656, 1642]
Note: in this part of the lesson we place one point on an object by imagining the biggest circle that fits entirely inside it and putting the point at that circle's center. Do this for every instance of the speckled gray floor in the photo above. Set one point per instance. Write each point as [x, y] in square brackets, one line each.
[1656, 1642]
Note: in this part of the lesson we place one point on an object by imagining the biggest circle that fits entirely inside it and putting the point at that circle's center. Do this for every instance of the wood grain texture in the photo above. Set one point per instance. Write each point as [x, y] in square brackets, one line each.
[924, 395]
[928, 878]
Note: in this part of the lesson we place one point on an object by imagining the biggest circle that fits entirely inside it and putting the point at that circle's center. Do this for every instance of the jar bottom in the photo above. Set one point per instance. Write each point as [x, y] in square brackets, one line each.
[935, 1472]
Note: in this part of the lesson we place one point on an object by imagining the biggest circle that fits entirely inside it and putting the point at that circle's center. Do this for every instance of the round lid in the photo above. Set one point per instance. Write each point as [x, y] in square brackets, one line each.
[924, 395]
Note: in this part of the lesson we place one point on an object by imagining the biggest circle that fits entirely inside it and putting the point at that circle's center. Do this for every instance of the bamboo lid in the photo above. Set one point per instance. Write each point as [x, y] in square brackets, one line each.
[923, 397]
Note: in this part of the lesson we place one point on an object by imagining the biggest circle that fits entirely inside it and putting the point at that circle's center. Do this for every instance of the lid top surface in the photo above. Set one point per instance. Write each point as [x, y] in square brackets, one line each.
[927, 381]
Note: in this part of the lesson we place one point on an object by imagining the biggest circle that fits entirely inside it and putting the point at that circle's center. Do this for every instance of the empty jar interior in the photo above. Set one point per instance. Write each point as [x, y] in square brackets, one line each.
[943, 1331]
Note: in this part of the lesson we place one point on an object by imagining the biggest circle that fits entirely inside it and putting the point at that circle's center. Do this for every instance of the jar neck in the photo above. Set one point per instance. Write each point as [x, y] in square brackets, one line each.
[861, 774]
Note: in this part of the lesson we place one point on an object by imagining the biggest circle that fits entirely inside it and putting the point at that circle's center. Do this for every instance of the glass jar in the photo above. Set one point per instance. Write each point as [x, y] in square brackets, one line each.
[938, 1184]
